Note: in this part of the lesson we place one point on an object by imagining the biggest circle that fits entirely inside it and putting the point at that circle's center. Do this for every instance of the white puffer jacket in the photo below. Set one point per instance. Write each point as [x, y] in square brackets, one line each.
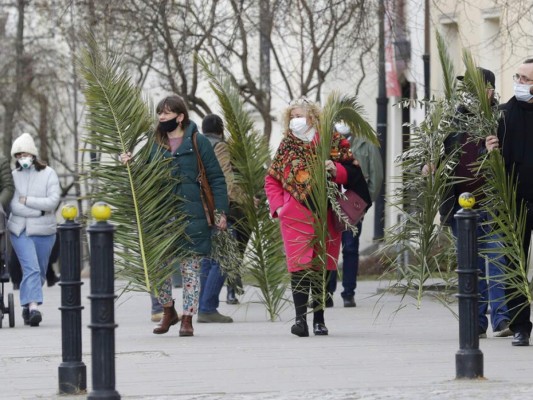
[42, 192]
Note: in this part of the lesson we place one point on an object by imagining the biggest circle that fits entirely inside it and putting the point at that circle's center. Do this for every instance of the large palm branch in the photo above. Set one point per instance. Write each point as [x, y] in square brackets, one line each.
[119, 120]
[421, 244]
[249, 152]
[337, 108]
[421, 247]
[448, 76]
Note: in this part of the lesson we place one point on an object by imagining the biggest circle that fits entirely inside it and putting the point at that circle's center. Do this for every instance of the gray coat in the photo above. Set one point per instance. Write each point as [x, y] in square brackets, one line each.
[370, 162]
[42, 192]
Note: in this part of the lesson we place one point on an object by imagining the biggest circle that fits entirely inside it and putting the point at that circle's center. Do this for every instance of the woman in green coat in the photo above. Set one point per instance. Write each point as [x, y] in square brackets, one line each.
[173, 137]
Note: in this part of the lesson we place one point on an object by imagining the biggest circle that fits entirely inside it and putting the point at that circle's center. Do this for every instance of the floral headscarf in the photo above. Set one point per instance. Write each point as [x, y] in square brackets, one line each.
[293, 157]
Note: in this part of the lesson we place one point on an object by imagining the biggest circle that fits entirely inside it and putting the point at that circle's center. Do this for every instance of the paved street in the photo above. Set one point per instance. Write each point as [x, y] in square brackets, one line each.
[371, 353]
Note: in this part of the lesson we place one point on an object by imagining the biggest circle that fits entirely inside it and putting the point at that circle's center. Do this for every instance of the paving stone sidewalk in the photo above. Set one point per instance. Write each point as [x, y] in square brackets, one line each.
[374, 351]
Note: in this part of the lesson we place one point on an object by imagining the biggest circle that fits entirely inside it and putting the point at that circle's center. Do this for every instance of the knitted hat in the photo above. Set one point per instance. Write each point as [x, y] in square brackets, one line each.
[24, 144]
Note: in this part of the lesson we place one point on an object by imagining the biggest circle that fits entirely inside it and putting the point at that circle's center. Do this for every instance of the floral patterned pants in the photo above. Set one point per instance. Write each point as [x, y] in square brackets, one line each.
[190, 272]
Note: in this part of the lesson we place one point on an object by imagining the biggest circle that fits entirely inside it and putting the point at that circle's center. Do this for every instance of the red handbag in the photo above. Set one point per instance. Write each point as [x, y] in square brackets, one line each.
[353, 207]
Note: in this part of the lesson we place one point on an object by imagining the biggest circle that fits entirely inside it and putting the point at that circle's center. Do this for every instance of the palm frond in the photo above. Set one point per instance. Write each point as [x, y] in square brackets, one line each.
[249, 151]
[424, 253]
[448, 71]
[475, 84]
[418, 199]
[141, 193]
[337, 107]
[346, 108]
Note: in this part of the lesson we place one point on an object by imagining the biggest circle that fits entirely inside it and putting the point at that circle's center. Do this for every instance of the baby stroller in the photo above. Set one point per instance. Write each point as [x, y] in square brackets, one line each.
[4, 275]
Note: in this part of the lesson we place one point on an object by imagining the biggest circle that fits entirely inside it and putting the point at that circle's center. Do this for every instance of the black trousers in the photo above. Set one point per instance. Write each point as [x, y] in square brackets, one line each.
[303, 284]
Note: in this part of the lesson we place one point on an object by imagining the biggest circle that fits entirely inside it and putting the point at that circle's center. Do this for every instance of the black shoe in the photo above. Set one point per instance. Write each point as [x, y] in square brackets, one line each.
[349, 302]
[520, 339]
[4, 276]
[320, 329]
[231, 298]
[26, 315]
[35, 318]
[300, 328]
[52, 280]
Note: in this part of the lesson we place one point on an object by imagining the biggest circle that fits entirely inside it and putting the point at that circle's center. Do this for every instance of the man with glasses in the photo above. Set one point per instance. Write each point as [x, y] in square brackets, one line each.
[515, 134]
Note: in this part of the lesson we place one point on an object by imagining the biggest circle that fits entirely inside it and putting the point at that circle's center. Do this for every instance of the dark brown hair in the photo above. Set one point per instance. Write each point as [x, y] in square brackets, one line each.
[175, 104]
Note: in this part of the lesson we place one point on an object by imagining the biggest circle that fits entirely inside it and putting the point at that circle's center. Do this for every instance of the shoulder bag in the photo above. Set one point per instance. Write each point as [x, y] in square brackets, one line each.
[208, 200]
[353, 207]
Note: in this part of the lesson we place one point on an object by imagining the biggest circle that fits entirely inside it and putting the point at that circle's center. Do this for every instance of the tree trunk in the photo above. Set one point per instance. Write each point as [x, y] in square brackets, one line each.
[43, 127]
[265, 31]
[13, 104]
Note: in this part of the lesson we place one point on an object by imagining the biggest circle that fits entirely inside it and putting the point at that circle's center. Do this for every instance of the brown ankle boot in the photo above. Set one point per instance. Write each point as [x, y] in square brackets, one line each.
[170, 317]
[186, 328]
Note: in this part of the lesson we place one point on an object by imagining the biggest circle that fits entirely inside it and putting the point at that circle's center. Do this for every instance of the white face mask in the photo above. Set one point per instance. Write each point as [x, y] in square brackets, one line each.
[342, 128]
[301, 130]
[26, 162]
[521, 92]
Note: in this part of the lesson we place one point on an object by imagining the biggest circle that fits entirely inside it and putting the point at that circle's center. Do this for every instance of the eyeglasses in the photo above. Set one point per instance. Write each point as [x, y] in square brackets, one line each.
[521, 79]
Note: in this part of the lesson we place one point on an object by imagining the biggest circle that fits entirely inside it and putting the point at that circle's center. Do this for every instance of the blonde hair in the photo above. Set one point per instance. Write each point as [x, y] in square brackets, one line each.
[312, 112]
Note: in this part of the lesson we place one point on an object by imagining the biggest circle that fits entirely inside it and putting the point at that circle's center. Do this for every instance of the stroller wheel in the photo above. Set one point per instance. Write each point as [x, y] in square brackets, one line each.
[11, 306]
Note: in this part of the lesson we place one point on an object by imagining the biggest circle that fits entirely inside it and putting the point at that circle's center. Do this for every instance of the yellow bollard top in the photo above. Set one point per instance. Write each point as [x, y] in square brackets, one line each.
[101, 211]
[467, 200]
[69, 212]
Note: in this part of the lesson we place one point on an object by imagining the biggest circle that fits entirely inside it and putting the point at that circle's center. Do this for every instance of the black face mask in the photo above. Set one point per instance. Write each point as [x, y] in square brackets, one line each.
[168, 126]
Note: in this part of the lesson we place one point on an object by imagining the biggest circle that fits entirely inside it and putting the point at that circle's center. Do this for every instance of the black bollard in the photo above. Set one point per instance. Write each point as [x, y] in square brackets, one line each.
[468, 359]
[102, 305]
[72, 372]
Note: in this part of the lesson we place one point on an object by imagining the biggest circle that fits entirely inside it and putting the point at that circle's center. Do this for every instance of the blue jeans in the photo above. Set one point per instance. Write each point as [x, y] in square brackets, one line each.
[33, 253]
[157, 307]
[490, 286]
[350, 264]
[211, 283]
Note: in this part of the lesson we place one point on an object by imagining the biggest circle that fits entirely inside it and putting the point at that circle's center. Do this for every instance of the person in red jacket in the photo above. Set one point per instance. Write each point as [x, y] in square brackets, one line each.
[288, 187]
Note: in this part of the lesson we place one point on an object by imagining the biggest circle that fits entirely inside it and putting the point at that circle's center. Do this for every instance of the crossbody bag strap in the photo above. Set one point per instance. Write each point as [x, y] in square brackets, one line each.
[205, 190]
[201, 169]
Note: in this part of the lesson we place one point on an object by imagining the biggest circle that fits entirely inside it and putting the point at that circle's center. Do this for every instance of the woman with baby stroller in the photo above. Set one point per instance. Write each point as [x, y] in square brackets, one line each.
[32, 223]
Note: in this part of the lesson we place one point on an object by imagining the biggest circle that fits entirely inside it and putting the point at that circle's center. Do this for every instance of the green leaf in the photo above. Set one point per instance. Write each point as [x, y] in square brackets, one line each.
[264, 260]
[150, 232]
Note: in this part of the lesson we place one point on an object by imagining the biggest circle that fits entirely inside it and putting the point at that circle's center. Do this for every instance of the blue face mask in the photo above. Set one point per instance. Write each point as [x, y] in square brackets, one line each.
[522, 92]
[25, 162]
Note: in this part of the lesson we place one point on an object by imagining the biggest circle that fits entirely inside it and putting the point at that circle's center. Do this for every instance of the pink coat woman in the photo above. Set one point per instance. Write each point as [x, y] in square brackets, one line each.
[296, 221]
[288, 189]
